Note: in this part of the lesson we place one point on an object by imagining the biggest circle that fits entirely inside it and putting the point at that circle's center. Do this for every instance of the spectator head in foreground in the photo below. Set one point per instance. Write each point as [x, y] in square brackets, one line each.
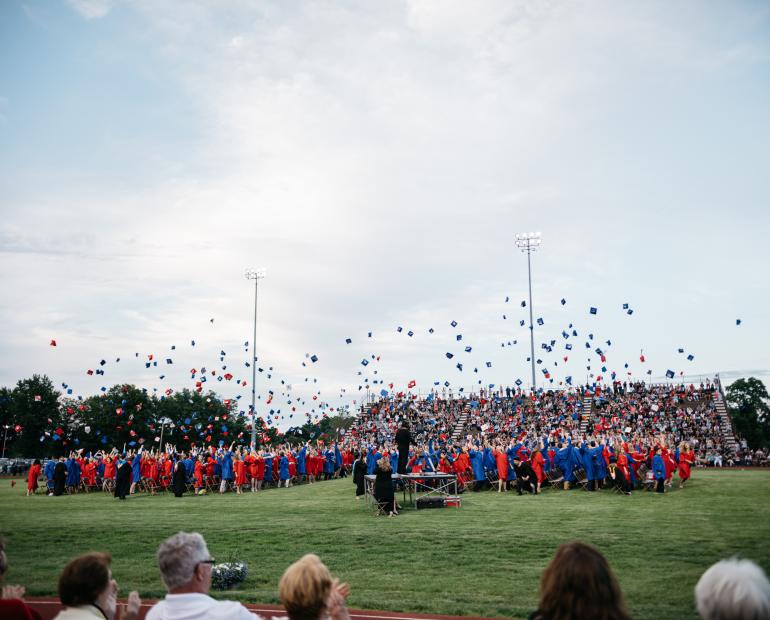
[309, 592]
[733, 590]
[578, 583]
[185, 568]
[87, 590]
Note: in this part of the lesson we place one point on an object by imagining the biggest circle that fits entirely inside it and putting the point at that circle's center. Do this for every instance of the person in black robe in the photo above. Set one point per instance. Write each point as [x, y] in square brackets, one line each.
[179, 479]
[359, 471]
[383, 487]
[123, 480]
[59, 477]
[403, 439]
[525, 477]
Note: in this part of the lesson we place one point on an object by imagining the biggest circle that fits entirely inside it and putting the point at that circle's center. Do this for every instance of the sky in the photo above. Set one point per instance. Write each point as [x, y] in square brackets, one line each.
[378, 160]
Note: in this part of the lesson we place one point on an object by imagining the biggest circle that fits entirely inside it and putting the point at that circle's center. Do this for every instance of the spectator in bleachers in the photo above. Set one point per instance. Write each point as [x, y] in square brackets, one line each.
[88, 591]
[578, 584]
[185, 568]
[308, 591]
[733, 590]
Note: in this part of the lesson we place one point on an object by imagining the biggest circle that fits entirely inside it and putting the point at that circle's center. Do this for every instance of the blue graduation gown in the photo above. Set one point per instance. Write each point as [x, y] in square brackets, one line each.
[301, 461]
[329, 463]
[136, 468]
[477, 463]
[268, 467]
[73, 473]
[658, 467]
[227, 466]
[283, 468]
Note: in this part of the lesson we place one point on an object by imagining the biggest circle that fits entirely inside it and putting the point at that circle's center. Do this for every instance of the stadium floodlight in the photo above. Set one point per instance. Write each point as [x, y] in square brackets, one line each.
[529, 242]
[256, 275]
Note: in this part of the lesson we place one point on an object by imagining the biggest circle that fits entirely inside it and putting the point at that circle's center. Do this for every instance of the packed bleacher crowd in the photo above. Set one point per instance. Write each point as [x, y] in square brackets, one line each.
[578, 584]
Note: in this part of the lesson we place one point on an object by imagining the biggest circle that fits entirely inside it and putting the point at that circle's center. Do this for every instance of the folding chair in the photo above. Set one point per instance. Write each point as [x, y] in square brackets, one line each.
[555, 477]
[581, 478]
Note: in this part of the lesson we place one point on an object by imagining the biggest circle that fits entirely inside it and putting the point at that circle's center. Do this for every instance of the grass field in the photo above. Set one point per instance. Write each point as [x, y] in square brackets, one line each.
[484, 559]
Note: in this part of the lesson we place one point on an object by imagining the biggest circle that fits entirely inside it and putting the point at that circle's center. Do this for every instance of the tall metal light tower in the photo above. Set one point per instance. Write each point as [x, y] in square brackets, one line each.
[529, 242]
[256, 275]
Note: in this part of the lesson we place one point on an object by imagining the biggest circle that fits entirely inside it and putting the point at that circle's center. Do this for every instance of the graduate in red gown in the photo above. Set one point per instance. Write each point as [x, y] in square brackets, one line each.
[239, 470]
[686, 461]
[501, 460]
[198, 469]
[537, 463]
[251, 465]
[32, 476]
[168, 466]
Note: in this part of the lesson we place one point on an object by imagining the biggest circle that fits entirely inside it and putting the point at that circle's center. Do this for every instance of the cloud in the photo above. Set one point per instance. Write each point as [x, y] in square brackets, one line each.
[92, 9]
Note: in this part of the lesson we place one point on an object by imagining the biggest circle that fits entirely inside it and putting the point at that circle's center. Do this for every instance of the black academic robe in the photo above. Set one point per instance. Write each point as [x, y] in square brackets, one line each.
[123, 481]
[383, 486]
[403, 439]
[179, 480]
[359, 471]
[59, 478]
[524, 470]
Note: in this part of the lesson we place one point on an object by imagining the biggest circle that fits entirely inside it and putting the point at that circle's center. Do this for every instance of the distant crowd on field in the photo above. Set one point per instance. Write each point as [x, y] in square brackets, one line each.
[577, 584]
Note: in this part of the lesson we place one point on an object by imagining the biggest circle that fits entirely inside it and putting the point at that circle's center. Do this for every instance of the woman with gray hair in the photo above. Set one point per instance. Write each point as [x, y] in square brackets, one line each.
[733, 590]
[185, 568]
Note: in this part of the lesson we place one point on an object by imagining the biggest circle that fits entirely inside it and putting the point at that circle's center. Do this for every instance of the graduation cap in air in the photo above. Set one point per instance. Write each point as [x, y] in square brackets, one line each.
[53, 343]
[680, 350]
[446, 383]
[690, 357]
[489, 364]
[568, 346]
[449, 355]
[468, 349]
[364, 362]
[523, 304]
[506, 299]
[670, 374]
[453, 323]
[348, 341]
[521, 323]
[593, 310]
[563, 301]
[625, 306]
[169, 360]
[399, 329]
[459, 337]
[314, 358]
[737, 321]
[518, 381]
[629, 311]
[459, 367]
[410, 333]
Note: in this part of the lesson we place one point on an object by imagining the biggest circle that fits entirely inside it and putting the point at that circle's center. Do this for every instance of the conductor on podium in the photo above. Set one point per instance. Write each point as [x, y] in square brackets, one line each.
[403, 439]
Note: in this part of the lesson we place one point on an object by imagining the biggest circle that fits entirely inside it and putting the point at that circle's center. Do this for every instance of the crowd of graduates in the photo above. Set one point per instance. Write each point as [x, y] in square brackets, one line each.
[630, 435]
[199, 470]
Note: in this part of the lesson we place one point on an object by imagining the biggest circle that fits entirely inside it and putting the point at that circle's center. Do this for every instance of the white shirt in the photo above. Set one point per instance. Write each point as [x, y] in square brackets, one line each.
[195, 606]
[86, 612]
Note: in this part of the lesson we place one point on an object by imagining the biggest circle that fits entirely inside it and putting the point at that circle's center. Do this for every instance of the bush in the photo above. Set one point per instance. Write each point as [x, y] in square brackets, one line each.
[229, 575]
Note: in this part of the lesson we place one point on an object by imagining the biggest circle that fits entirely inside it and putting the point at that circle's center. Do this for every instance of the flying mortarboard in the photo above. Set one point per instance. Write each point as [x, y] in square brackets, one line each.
[670, 374]
[453, 323]
[593, 310]
[540, 321]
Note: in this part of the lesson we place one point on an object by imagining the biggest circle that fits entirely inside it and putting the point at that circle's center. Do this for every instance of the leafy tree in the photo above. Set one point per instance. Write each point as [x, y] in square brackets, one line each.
[748, 401]
[33, 409]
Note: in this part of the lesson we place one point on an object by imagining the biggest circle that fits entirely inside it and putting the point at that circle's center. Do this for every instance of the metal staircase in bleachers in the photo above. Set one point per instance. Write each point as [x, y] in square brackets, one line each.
[725, 423]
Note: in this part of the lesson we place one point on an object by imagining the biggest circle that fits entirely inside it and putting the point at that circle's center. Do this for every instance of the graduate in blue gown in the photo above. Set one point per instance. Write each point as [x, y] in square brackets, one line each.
[227, 468]
[283, 471]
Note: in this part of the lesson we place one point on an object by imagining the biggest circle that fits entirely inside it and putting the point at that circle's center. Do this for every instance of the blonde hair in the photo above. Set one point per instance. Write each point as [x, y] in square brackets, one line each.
[304, 588]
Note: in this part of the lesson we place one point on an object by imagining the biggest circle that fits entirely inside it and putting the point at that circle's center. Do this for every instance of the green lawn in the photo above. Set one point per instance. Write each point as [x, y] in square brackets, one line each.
[484, 559]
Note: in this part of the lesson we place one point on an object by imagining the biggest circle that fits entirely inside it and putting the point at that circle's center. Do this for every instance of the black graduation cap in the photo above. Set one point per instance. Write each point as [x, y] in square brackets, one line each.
[467, 349]
[169, 360]
[449, 355]
[430, 331]
[523, 304]
[410, 333]
[459, 337]
[563, 301]
[348, 341]
[489, 364]
[670, 374]
[691, 357]
[625, 306]
[540, 321]
[593, 310]
[313, 358]
[453, 323]
[521, 323]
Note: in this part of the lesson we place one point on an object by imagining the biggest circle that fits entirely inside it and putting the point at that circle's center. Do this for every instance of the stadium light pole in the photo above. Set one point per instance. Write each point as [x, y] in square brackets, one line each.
[529, 242]
[5, 436]
[256, 275]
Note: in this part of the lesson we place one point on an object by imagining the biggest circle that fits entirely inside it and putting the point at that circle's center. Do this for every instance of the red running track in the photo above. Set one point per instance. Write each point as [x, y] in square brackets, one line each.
[49, 607]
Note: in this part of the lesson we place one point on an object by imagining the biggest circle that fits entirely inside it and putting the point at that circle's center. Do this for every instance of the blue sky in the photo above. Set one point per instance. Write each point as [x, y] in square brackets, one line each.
[379, 159]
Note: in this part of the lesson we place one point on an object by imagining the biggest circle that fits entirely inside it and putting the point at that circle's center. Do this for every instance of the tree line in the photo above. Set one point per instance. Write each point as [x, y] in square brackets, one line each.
[38, 421]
